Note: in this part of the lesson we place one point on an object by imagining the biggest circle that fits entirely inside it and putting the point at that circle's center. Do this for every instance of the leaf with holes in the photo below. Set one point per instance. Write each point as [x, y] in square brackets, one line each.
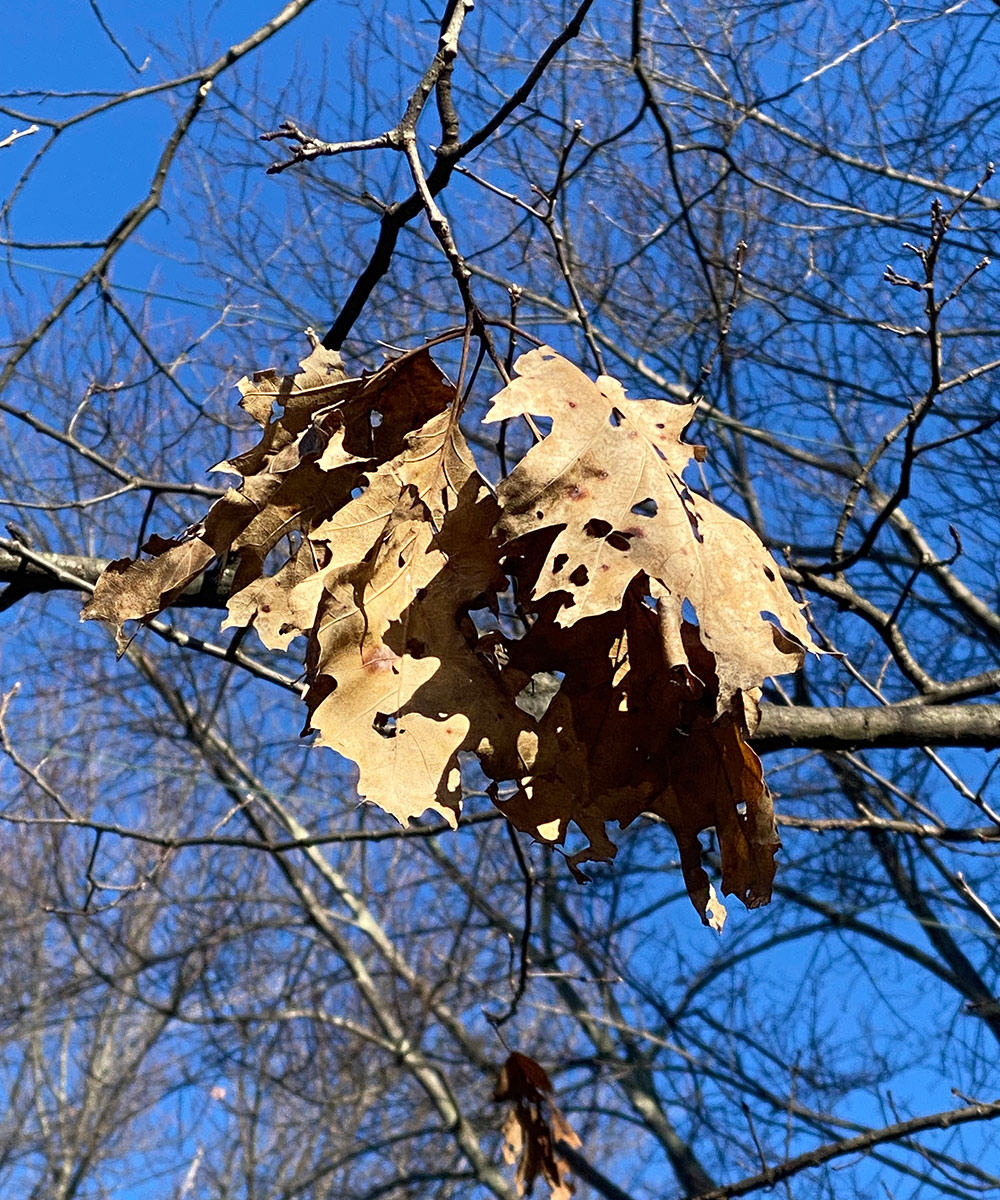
[362, 524]
[305, 466]
[605, 488]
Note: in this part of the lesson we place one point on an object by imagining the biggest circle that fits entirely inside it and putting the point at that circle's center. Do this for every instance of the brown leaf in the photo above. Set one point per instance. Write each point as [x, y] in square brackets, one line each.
[653, 712]
[396, 682]
[534, 1127]
[606, 482]
[402, 760]
[716, 781]
[636, 737]
[319, 383]
[134, 590]
[304, 468]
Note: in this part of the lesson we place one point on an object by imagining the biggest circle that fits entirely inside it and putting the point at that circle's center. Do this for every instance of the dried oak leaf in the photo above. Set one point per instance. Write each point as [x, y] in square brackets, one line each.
[304, 467]
[359, 684]
[606, 486]
[327, 424]
[635, 736]
[396, 679]
[534, 1128]
[136, 589]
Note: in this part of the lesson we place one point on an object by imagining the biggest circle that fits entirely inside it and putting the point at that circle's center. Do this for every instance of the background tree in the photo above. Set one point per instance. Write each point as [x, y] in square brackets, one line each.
[224, 978]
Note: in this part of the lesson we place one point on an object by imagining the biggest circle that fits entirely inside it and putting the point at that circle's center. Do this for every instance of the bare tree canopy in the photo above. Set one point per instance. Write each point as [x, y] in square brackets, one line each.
[226, 976]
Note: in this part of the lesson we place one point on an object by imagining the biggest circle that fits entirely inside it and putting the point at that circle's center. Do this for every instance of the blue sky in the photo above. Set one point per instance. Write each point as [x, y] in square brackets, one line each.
[99, 168]
[82, 189]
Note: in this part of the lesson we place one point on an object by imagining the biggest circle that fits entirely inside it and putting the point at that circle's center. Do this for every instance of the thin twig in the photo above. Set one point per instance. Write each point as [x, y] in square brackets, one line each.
[522, 976]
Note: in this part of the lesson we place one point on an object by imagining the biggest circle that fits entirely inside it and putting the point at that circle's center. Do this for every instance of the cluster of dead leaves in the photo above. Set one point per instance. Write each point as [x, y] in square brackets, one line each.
[363, 524]
[535, 1132]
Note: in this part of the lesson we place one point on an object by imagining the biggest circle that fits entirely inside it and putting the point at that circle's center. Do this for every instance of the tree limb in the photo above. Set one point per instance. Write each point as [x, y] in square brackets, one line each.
[854, 1145]
[890, 727]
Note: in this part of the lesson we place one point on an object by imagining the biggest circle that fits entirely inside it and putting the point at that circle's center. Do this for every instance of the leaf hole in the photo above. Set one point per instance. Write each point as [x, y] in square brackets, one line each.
[596, 528]
[615, 418]
[537, 694]
[618, 541]
[385, 725]
[769, 573]
[645, 508]
[580, 577]
[559, 562]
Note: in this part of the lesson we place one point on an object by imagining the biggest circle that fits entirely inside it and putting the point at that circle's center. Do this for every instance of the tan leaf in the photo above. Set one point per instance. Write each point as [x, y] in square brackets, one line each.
[283, 605]
[136, 589]
[435, 464]
[304, 468]
[606, 485]
[534, 1127]
[396, 683]
[319, 383]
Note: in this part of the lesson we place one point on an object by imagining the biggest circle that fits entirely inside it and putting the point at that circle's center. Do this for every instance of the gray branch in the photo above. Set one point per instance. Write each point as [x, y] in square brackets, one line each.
[892, 727]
